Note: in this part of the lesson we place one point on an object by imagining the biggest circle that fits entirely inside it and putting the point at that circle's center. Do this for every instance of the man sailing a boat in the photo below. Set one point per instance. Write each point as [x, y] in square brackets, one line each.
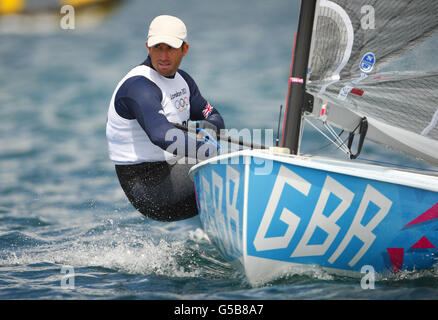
[142, 141]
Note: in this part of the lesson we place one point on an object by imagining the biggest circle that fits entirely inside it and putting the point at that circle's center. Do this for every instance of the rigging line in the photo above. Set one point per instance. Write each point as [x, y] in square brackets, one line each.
[340, 145]
[318, 150]
[338, 136]
[338, 142]
[431, 125]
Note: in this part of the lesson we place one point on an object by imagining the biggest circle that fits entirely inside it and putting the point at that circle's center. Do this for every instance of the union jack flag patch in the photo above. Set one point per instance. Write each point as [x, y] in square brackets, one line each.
[207, 110]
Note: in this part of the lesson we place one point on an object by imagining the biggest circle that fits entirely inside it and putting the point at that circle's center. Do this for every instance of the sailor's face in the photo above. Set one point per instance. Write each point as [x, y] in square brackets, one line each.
[166, 59]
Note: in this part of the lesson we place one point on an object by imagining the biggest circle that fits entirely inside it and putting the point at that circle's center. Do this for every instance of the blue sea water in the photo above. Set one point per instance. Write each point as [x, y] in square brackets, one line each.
[61, 207]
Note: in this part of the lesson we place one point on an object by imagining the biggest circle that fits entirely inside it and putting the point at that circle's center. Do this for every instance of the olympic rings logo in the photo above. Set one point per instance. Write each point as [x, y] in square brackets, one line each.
[181, 104]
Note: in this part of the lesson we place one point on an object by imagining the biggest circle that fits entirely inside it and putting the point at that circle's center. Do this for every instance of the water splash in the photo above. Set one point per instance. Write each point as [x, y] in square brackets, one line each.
[125, 248]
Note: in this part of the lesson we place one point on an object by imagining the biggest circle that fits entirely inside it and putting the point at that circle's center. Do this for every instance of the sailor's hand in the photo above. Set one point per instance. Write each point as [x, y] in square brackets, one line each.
[202, 135]
[210, 127]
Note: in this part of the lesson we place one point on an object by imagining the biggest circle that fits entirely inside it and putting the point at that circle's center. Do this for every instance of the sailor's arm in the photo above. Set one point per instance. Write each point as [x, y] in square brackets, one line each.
[141, 99]
[200, 109]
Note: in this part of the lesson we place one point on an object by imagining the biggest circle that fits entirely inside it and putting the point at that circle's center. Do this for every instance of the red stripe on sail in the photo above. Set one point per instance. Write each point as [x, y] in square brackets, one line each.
[358, 92]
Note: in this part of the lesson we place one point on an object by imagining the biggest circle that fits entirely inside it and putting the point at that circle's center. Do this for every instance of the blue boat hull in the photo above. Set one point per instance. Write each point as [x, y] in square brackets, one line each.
[273, 213]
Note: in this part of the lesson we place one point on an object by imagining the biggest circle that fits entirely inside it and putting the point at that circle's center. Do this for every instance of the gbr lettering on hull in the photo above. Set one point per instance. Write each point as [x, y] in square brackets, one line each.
[223, 225]
[318, 219]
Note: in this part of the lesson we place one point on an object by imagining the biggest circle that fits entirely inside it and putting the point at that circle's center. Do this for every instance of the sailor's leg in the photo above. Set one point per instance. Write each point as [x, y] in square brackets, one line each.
[158, 190]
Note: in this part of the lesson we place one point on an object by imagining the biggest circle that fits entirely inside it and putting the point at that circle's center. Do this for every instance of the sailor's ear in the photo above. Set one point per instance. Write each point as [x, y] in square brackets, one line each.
[147, 47]
[185, 48]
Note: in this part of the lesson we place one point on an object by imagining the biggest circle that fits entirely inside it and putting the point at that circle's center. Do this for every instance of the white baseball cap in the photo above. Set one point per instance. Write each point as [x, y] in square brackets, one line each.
[167, 29]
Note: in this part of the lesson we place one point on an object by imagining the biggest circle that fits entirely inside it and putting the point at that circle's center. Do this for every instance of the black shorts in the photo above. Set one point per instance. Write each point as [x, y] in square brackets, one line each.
[159, 190]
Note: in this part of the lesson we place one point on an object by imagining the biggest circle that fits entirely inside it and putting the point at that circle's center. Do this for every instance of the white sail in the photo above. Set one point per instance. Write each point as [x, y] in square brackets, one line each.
[352, 44]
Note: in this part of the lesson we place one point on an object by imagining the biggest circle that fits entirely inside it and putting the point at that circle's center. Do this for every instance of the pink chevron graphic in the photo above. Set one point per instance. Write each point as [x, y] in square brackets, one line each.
[396, 255]
[423, 243]
[431, 213]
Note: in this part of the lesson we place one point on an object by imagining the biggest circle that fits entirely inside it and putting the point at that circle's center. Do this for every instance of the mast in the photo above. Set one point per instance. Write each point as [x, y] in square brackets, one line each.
[297, 81]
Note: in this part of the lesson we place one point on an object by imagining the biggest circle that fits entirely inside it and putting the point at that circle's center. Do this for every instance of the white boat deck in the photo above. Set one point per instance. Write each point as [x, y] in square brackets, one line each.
[426, 180]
